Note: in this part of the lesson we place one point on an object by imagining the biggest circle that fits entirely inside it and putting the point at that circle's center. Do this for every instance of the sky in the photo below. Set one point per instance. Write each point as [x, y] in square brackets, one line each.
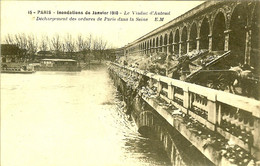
[15, 18]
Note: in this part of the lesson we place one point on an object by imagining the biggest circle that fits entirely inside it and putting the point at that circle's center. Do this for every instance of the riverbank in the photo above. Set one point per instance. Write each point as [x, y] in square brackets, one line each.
[94, 64]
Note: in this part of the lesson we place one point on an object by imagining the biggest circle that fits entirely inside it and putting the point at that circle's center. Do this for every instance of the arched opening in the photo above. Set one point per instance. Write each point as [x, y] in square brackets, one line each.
[151, 45]
[170, 42]
[157, 44]
[165, 42]
[176, 41]
[204, 34]
[237, 40]
[193, 36]
[255, 45]
[161, 43]
[218, 37]
[184, 40]
[146, 131]
[145, 47]
[148, 46]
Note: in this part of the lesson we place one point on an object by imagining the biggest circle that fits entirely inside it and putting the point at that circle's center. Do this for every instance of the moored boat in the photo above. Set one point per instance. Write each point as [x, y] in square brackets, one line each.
[58, 65]
[16, 71]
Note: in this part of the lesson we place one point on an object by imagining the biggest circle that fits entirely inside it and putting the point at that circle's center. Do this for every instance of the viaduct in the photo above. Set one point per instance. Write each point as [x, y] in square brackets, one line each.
[213, 25]
[197, 125]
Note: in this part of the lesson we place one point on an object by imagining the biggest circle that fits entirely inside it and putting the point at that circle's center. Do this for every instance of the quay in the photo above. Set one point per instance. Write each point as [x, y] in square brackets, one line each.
[224, 127]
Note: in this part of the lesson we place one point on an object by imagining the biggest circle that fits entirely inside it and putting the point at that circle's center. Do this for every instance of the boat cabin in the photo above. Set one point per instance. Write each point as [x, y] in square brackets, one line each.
[58, 65]
[58, 62]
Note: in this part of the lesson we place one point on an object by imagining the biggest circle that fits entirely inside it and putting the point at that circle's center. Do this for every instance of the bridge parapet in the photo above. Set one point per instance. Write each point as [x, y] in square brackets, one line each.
[236, 118]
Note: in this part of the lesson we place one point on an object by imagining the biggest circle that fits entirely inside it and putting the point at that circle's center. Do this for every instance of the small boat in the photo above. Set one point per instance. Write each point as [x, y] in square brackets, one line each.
[16, 71]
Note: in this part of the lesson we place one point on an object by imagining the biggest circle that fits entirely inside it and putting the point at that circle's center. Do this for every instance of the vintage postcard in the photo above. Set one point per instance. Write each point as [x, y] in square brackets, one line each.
[130, 83]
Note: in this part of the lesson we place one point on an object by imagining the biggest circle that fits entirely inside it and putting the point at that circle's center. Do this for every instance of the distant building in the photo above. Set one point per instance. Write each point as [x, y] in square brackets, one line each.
[119, 52]
[44, 53]
[112, 54]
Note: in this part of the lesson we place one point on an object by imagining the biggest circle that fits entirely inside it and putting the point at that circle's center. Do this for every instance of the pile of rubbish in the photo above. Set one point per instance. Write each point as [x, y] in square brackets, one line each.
[161, 63]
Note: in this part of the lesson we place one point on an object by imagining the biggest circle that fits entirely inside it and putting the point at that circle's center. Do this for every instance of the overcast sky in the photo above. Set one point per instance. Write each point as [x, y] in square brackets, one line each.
[15, 18]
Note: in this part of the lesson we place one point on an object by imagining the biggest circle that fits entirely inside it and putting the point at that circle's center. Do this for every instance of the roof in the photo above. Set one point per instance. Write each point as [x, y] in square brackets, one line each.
[44, 52]
[61, 60]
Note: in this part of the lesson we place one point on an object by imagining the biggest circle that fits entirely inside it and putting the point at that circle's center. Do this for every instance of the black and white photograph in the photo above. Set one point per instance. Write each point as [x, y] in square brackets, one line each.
[130, 83]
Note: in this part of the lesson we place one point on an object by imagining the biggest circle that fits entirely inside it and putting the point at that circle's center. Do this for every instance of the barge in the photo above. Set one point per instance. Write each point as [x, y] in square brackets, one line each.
[16, 71]
[58, 65]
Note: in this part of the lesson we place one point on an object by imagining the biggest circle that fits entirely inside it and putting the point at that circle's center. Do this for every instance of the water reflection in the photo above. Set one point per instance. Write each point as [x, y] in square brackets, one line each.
[64, 119]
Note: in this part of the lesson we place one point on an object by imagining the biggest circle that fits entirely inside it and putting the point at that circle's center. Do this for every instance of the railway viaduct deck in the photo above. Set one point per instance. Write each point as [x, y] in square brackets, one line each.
[213, 25]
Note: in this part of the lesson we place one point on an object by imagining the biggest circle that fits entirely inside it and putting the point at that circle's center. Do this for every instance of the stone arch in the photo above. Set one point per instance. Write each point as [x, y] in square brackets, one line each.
[165, 42]
[157, 44]
[170, 42]
[176, 41]
[255, 45]
[148, 45]
[145, 47]
[184, 36]
[215, 14]
[145, 123]
[237, 38]
[161, 43]
[165, 39]
[193, 37]
[218, 36]
[204, 34]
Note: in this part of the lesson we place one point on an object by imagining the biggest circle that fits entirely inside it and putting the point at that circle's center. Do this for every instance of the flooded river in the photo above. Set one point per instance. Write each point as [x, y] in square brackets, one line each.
[69, 119]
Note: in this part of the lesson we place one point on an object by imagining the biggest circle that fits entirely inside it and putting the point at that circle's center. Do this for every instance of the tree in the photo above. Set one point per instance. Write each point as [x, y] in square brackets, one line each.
[44, 43]
[84, 46]
[22, 43]
[56, 44]
[69, 45]
[43, 46]
[81, 46]
[9, 39]
[99, 46]
[32, 46]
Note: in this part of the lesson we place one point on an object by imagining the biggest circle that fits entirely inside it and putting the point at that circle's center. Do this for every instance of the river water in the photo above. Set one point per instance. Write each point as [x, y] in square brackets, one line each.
[69, 119]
